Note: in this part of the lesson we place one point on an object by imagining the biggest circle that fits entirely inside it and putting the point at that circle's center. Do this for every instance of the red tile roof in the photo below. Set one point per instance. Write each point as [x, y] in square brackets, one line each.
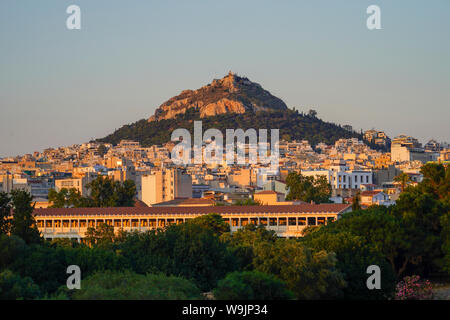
[369, 193]
[301, 208]
[268, 192]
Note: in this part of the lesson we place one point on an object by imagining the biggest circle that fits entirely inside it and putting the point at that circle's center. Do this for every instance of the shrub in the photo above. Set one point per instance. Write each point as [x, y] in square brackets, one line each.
[251, 285]
[13, 287]
[113, 285]
[412, 288]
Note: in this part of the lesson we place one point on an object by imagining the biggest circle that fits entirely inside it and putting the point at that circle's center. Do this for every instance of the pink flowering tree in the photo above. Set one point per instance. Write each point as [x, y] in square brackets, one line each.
[412, 288]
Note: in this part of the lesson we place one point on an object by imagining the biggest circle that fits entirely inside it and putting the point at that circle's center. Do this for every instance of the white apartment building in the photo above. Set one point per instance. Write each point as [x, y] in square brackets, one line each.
[340, 177]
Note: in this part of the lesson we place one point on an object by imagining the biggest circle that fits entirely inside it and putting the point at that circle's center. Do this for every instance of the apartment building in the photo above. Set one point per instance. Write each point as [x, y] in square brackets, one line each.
[165, 185]
[340, 177]
[76, 183]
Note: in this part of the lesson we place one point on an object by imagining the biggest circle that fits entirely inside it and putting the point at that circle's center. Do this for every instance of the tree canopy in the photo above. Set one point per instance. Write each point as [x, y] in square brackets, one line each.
[308, 188]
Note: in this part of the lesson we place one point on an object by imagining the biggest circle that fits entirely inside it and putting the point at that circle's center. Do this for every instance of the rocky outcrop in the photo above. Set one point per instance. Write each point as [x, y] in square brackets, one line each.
[231, 94]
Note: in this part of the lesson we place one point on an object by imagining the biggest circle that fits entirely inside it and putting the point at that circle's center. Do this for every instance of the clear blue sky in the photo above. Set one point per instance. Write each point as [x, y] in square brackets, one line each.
[60, 87]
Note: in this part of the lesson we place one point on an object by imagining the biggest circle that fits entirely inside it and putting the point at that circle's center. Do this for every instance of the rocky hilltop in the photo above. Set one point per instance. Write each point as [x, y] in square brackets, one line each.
[231, 94]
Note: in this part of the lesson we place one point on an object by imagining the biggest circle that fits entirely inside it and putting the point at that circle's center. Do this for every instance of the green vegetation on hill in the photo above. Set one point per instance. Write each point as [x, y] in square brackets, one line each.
[293, 125]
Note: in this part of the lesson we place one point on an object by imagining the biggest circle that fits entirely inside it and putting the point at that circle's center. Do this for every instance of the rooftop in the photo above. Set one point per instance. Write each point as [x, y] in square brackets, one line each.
[302, 208]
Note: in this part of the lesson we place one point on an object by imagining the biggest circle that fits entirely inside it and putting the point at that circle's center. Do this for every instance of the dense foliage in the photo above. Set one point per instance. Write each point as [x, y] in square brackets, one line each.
[308, 188]
[292, 124]
[127, 285]
[251, 285]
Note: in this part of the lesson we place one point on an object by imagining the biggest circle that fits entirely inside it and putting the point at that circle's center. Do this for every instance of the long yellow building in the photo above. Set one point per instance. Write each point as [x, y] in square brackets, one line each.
[285, 220]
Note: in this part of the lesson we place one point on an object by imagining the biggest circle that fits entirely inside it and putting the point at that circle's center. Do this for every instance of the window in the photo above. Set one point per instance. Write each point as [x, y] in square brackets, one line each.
[282, 221]
[272, 221]
[235, 222]
[254, 221]
[321, 220]
[244, 221]
[311, 221]
[82, 223]
[263, 221]
[292, 221]
[330, 219]
[301, 221]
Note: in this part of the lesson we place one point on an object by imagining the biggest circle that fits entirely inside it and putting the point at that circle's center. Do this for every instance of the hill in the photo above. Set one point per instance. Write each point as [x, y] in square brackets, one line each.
[229, 103]
[231, 94]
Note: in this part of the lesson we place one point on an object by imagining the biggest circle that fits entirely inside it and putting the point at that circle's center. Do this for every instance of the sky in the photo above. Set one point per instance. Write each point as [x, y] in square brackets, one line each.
[60, 87]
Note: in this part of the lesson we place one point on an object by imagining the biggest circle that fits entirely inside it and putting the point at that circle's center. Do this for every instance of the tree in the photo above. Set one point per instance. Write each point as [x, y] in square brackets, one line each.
[101, 236]
[23, 223]
[244, 242]
[308, 188]
[403, 179]
[400, 242]
[422, 214]
[14, 287]
[307, 273]
[106, 192]
[445, 222]
[103, 192]
[126, 285]
[354, 254]
[57, 199]
[125, 193]
[436, 181]
[212, 221]
[68, 198]
[356, 203]
[189, 250]
[11, 248]
[251, 285]
[5, 212]
[312, 113]
[247, 202]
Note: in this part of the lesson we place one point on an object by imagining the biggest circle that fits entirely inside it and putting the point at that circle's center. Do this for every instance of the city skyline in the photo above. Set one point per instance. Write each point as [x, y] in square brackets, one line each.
[61, 87]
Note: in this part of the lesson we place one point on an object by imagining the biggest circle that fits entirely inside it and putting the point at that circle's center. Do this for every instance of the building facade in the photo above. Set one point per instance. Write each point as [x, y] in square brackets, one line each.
[165, 185]
[285, 220]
